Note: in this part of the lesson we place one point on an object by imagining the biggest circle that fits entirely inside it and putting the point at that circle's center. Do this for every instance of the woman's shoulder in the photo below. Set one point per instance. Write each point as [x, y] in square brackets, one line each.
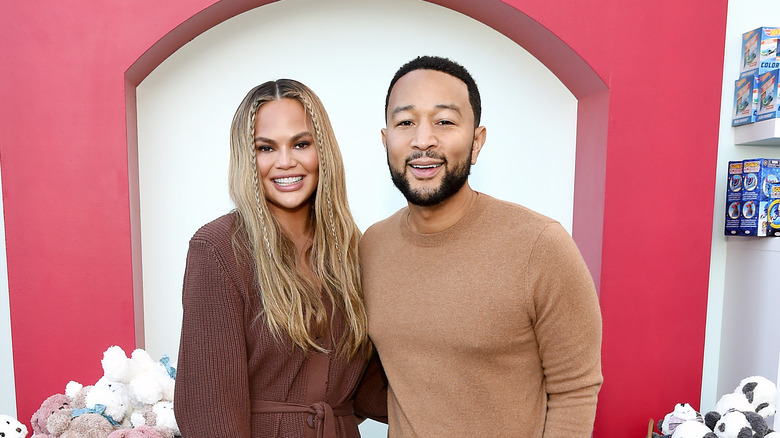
[218, 231]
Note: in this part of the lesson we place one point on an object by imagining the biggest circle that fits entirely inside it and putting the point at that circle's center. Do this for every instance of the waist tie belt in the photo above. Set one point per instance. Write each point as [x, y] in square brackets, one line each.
[322, 416]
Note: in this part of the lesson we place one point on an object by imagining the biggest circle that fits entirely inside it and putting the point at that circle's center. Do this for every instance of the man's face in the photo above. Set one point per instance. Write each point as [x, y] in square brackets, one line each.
[430, 138]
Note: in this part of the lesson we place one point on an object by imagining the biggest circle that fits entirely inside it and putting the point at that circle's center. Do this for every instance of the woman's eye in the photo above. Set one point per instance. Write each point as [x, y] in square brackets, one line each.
[302, 144]
[263, 148]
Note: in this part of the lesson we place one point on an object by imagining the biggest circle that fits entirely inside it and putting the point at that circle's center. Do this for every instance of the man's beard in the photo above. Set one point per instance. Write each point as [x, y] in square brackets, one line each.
[453, 180]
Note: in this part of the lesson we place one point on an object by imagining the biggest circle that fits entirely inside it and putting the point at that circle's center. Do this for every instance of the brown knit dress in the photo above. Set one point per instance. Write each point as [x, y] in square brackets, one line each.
[235, 380]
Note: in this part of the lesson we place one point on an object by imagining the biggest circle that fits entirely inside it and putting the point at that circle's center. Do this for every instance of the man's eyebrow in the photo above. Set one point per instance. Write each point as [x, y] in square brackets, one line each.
[400, 109]
[449, 107]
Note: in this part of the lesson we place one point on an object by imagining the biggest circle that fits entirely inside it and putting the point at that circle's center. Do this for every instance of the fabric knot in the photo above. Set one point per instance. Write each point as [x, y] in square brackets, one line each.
[98, 409]
[322, 416]
[326, 421]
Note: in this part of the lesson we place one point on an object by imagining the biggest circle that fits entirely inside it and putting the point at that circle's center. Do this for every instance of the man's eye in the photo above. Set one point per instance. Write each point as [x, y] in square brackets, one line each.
[405, 123]
[446, 122]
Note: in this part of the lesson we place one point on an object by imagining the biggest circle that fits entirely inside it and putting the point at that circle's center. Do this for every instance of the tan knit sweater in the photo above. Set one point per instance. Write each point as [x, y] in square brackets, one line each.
[230, 367]
[490, 328]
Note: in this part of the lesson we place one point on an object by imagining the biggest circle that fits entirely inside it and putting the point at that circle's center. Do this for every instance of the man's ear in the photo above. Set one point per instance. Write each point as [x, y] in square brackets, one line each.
[479, 140]
[384, 140]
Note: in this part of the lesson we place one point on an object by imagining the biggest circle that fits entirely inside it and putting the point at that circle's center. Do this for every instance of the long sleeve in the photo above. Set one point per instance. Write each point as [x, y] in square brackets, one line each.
[212, 384]
[568, 327]
[371, 393]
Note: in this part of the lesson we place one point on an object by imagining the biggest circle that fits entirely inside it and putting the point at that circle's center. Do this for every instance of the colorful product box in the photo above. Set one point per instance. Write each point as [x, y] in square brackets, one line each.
[745, 101]
[734, 198]
[757, 177]
[773, 211]
[759, 51]
[767, 96]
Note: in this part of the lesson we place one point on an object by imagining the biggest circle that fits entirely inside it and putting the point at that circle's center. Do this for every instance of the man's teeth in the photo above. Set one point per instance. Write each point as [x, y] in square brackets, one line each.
[288, 181]
[429, 166]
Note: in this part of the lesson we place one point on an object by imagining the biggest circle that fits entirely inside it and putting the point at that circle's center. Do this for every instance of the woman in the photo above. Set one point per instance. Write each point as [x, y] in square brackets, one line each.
[274, 335]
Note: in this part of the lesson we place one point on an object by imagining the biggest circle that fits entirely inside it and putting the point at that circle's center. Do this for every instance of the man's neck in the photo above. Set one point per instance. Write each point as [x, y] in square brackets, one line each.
[435, 218]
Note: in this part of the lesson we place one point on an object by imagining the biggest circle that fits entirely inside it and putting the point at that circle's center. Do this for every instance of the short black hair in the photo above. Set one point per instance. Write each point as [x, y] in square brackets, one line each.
[443, 65]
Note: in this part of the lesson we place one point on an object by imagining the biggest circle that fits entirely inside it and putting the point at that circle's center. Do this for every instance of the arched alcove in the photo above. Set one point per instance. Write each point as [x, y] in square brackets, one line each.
[555, 54]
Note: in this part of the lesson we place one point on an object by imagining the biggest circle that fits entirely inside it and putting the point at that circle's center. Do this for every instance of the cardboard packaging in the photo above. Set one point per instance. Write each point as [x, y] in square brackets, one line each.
[745, 101]
[733, 198]
[767, 96]
[757, 177]
[773, 211]
[759, 51]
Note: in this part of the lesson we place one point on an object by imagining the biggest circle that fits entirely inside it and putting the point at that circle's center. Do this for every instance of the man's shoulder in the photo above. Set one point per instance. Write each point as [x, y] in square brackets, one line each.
[500, 209]
[383, 227]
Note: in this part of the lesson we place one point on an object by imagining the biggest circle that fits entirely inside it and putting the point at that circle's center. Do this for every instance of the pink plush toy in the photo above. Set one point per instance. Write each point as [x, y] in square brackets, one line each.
[138, 432]
[40, 418]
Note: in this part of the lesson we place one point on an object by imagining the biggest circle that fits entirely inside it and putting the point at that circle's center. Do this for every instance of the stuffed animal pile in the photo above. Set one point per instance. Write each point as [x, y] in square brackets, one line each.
[133, 398]
[740, 414]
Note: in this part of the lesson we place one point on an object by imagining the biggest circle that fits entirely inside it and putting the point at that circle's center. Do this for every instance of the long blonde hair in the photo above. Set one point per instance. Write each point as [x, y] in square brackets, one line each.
[292, 304]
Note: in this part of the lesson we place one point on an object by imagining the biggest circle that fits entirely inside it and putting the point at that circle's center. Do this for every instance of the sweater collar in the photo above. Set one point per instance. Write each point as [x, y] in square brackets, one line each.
[468, 222]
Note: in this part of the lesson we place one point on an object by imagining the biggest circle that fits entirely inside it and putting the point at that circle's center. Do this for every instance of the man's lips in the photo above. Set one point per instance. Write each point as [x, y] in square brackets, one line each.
[424, 169]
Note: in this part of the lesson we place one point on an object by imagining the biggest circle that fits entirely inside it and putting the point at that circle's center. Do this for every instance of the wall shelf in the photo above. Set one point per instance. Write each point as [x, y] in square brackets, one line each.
[763, 133]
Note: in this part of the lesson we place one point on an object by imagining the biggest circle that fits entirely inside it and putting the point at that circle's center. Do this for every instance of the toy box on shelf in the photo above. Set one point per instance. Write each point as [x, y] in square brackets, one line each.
[773, 211]
[759, 51]
[767, 96]
[745, 101]
[757, 176]
[733, 198]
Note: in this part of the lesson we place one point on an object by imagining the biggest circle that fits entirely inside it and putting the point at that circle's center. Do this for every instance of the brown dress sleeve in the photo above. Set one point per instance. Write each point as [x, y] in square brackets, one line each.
[371, 394]
[212, 383]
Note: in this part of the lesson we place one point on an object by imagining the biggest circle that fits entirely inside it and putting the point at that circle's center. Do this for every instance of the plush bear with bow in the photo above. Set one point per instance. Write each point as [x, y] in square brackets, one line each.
[81, 420]
[40, 419]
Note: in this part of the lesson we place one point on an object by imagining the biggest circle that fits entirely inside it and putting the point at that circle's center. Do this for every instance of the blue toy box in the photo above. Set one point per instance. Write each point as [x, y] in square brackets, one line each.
[767, 96]
[757, 177]
[733, 198]
[745, 101]
[759, 51]
[773, 211]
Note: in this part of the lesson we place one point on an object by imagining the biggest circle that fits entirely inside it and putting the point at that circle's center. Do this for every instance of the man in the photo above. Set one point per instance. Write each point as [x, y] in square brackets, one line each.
[483, 312]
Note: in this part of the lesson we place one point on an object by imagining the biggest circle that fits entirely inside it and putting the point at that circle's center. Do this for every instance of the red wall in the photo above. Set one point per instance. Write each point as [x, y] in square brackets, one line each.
[66, 185]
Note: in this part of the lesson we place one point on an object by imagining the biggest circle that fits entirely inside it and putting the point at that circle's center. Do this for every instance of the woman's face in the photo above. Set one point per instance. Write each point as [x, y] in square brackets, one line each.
[286, 156]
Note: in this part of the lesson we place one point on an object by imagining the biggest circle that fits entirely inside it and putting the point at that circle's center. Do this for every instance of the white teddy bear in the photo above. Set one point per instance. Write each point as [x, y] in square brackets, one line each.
[10, 427]
[148, 382]
[111, 394]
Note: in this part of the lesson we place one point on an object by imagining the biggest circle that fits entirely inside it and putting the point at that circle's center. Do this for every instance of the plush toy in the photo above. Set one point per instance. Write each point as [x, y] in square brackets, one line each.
[738, 424]
[40, 418]
[10, 427]
[693, 429]
[112, 396]
[153, 382]
[682, 412]
[148, 381]
[160, 416]
[73, 423]
[83, 418]
[761, 393]
[138, 432]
